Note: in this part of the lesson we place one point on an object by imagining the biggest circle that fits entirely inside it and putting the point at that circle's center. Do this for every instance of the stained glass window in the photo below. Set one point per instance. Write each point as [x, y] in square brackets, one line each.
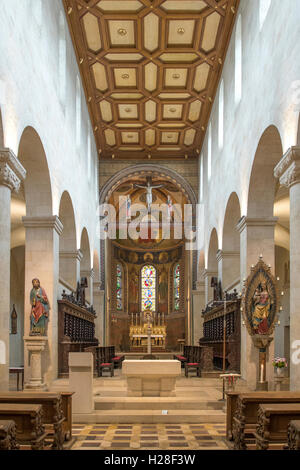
[176, 287]
[149, 288]
[119, 287]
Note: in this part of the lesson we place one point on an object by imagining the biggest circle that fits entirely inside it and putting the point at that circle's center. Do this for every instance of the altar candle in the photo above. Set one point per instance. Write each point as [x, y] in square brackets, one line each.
[261, 373]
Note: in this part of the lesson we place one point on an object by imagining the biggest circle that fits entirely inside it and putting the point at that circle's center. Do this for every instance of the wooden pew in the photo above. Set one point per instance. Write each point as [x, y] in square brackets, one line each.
[53, 416]
[231, 404]
[245, 416]
[272, 423]
[67, 411]
[28, 420]
[8, 436]
[294, 435]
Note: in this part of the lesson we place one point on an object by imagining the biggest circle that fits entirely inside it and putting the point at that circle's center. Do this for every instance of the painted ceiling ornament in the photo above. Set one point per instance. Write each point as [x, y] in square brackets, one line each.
[260, 300]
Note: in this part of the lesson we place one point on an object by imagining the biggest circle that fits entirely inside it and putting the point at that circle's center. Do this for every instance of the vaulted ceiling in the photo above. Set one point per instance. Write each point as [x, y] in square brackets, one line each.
[150, 70]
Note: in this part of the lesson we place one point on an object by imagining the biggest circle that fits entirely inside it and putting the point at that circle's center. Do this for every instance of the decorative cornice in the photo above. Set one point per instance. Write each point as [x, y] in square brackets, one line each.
[12, 172]
[259, 222]
[51, 222]
[288, 169]
[75, 255]
[227, 254]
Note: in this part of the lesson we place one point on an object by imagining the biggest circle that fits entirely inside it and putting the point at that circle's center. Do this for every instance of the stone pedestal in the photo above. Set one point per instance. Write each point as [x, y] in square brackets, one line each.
[278, 381]
[11, 175]
[35, 345]
[151, 378]
[288, 172]
[81, 372]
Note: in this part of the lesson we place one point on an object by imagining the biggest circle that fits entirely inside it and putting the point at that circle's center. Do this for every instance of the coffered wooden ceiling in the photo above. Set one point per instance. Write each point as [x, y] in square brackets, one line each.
[150, 71]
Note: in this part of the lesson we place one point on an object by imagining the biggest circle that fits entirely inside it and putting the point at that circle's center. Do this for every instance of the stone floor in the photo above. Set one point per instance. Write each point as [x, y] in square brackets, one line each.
[150, 437]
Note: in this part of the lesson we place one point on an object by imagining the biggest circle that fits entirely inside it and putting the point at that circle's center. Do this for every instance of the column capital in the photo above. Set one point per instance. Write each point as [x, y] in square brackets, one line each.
[221, 254]
[76, 255]
[206, 273]
[288, 169]
[87, 273]
[259, 222]
[12, 172]
[97, 287]
[51, 222]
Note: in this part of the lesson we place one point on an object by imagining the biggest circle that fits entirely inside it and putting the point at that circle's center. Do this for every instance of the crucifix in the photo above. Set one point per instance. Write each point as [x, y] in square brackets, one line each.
[149, 187]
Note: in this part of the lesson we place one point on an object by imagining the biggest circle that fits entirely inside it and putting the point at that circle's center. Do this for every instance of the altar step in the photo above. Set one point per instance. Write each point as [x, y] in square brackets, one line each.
[157, 403]
[151, 416]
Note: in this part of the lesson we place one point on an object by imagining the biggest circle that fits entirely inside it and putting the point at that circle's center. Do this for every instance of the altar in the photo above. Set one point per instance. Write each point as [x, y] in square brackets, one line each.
[139, 332]
[148, 378]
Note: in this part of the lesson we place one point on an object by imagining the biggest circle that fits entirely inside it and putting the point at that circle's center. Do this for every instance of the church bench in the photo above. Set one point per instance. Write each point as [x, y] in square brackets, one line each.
[231, 404]
[52, 405]
[245, 416]
[294, 435]
[272, 423]
[28, 421]
[117, 361]
[8, 436]
[67, 411]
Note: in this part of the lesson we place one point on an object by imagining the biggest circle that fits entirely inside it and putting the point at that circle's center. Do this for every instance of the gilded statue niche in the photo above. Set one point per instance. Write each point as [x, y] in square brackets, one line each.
[260, 300]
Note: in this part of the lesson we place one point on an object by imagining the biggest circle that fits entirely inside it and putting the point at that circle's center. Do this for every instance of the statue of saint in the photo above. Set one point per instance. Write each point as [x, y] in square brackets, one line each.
[40, 309]
[261, 310]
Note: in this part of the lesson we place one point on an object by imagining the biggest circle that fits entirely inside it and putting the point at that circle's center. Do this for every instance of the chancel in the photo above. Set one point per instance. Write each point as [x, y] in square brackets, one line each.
[149, 225]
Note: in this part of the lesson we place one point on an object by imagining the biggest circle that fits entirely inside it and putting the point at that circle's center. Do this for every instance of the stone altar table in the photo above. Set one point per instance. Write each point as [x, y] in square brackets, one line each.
[151, 378]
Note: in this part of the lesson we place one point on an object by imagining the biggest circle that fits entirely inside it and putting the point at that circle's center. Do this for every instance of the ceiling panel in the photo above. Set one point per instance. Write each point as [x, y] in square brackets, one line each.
[150, 70]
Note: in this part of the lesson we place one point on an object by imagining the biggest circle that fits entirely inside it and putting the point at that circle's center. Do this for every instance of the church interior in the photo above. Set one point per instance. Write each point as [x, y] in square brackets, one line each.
[149, 225]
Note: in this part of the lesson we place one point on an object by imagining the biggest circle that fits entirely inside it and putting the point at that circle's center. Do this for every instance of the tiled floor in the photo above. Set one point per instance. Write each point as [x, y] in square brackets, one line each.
[150, 437]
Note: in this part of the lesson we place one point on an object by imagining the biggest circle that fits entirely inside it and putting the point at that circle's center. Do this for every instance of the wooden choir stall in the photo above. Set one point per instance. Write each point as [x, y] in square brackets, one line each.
[76, 328]
[213, 332]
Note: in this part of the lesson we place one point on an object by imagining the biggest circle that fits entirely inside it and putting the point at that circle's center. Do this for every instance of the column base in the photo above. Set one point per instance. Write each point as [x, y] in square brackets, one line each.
[262, 386]
[37, 387]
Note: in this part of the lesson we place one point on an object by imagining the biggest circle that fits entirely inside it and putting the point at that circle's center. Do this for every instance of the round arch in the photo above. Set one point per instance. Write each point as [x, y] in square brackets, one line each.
[262, 182]
[38, 193]
[68, 257]
[147, 170]
[213, 247]
[229, 258]
[86, 251]
[231, 237]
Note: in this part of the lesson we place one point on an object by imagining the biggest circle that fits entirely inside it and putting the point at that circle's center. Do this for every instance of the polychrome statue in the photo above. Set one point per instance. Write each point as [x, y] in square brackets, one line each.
[40, 309]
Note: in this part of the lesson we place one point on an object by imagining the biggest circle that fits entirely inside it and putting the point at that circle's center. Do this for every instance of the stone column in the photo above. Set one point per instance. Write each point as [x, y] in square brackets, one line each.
[42, 262]
[198, 306]
[70, 266]
[228, 268]
[90, 278]
[257, 238]
[209, 293]
[11, 175]
[288, 172]
[98, 295]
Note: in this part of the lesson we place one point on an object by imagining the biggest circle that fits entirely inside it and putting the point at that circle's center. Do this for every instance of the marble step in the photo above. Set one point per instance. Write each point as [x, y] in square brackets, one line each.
[150, 416]
[156, 403]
